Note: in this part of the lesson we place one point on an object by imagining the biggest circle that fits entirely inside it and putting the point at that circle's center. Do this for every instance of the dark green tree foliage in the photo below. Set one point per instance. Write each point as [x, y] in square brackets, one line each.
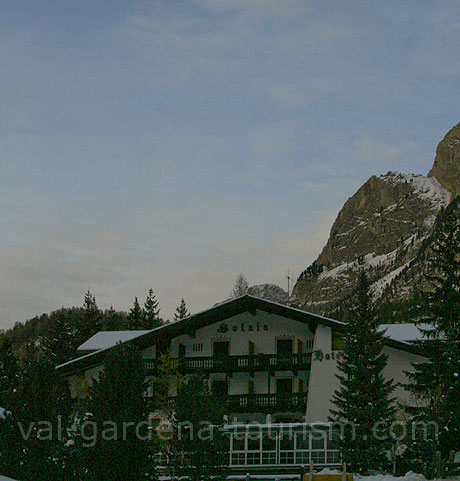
[59, 341]
[91, 318]
[199, 447]
[113, 320]
[36, 426]
[9, 373]
[151, 312]
[437, 382]
[363, 398]
[136, 316]
[181, 311]
[117, 398]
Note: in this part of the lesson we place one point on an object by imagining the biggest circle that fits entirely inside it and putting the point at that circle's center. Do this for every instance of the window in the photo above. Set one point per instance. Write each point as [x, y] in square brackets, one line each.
[284, 386]
[198, 347]
[220, 388]
[337, 341]
[221, 348]
[309, 344]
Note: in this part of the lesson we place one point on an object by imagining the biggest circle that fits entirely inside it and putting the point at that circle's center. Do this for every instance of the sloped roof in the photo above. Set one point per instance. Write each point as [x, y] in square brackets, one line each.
[106, 339]
[217, 313]
[405, 332]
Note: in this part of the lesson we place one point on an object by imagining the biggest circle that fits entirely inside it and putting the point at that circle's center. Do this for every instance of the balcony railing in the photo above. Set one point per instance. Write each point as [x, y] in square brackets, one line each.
[259, 362]
[260, 403]
[266, 402]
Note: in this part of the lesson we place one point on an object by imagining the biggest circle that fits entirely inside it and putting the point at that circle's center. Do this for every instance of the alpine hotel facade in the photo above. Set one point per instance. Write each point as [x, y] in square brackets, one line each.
[272, 364]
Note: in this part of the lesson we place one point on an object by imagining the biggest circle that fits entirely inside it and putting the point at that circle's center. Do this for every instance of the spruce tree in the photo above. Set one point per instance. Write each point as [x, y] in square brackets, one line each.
[91, 318]
[151, 312]
[9, 373]
[116, 399]
[437, 382]
[59, 342]
[40, 410]
[136, 316]
[114, 320]
[363, 399]
[199, 450]
[181, 311]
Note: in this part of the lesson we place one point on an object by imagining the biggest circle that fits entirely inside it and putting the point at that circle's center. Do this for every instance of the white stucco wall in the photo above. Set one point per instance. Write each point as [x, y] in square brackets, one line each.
[398, 363]
[323, 380]
[266, 328]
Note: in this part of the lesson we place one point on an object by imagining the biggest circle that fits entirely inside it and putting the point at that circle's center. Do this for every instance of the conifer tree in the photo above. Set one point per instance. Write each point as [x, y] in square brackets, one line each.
[113, 320]
[199, 451]
[41, 397]
[241, 286]
[151, 312]
[116, 399]
[136, 316]
[437, 382]
[9, 373]
[91, 318]
[59, 343]
[181, 311]
[363, 399]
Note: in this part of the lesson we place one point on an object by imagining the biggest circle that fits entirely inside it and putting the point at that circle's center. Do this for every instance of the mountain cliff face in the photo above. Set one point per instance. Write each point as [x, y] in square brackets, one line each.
[446, 167]
[384, 228]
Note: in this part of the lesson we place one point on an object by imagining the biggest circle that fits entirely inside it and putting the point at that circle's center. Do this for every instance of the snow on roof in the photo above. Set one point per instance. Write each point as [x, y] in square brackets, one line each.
[404, 332]
[4, 478]
[106, 339]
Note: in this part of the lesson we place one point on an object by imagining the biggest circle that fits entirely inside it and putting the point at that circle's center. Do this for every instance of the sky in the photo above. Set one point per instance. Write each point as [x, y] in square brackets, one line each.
[174, 144]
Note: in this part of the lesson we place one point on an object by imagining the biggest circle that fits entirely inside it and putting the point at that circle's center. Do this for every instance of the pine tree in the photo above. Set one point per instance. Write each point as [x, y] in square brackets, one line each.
[9, 373]
[181, 311]
[437, 382]
[118, 397]
[91, 318]
[136, 316]
[151, 312]
[42, 396]
[199, 451]
[59, 343]
[363, 400]
[241, 286]
[113, 320]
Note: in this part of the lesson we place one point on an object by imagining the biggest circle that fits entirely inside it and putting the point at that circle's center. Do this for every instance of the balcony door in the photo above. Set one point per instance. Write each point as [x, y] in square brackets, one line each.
[221, 349]
[284, 347]
[220, 388]
[284, 386]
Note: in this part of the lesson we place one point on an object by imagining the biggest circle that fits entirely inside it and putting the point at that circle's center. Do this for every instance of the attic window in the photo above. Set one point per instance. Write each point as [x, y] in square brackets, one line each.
[337, 341]
[198, 347]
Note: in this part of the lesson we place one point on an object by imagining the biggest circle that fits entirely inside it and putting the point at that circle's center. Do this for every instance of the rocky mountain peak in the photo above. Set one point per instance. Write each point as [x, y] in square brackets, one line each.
[446, 167]
[270, 292]
[381, 229]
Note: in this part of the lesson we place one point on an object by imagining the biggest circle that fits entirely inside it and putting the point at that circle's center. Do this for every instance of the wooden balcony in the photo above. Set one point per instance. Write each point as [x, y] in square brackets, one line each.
[287, 402]
[230, 364]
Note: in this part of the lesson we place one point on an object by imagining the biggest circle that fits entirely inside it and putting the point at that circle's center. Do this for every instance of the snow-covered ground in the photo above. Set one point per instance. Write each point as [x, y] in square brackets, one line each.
[410, 476]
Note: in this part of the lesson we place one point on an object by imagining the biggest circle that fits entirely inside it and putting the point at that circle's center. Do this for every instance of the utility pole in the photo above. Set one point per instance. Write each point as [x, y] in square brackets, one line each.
[288, 282]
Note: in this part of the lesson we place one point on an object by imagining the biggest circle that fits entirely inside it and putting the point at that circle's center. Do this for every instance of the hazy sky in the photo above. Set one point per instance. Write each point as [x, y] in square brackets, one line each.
[174, 144]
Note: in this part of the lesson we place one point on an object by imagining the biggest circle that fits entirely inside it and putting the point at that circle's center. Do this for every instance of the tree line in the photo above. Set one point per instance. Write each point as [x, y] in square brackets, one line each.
[61, 332]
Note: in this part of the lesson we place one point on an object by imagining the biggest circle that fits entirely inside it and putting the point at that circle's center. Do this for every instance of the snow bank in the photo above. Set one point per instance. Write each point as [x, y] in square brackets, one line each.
[410, 476]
